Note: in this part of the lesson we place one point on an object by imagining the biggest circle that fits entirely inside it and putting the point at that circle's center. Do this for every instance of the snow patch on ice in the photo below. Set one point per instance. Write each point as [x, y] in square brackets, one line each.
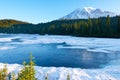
[6, 47]
[106, 45]
[5, 39]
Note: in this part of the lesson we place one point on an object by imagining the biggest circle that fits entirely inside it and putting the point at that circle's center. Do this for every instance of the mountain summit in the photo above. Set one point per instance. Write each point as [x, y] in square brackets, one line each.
[87, 12]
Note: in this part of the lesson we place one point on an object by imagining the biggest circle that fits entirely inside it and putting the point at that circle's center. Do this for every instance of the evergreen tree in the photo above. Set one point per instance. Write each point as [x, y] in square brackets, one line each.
[28, 71]
[118, 25]
[3, 73]
[22, 75]
[13, 76]
[90, 26]
[97, 27]
[108, 28]
[75, 25]
[46, 77]
[108, 21]
[31, 67]
[68, 77]
[5, 70]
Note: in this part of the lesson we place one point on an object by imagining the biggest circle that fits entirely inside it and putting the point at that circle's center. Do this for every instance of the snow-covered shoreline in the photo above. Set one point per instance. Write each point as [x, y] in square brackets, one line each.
[60, 73]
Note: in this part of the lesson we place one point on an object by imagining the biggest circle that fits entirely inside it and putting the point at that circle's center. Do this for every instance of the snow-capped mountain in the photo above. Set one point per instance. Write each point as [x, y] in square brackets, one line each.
[87, 12]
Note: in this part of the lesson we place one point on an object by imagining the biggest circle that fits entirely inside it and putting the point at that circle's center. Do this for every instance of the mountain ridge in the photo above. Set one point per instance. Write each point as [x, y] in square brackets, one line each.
[86, 12]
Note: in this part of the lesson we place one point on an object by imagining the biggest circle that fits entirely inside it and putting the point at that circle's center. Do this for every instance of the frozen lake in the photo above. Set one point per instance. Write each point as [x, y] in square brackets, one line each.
[59, 51]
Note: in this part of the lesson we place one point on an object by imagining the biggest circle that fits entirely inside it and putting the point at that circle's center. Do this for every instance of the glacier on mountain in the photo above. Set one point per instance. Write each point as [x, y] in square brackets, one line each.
[87, 12]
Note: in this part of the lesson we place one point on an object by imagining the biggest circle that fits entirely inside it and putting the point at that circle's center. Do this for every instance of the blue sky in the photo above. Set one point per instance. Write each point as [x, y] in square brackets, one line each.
[37, 11]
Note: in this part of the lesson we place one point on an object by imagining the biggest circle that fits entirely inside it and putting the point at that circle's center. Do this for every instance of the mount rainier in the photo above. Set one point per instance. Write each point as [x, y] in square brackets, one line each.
[87, 12]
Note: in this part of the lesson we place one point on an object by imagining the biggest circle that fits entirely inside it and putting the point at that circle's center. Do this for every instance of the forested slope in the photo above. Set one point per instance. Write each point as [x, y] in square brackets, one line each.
[98, 27]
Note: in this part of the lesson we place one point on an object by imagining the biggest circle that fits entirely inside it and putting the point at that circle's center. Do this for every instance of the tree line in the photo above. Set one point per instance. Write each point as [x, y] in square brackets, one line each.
[95, 27]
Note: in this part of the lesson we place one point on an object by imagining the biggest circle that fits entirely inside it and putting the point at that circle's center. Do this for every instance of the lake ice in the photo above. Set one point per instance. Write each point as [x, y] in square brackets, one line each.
[110, 48]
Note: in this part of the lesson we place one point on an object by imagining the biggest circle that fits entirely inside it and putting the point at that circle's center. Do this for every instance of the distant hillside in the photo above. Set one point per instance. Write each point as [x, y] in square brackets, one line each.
[10, 22]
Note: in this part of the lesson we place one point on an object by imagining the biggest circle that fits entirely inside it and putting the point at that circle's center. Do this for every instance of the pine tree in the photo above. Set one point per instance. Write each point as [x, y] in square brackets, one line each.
[108, 21]
[28, 71]
[97, 27]
[46, 77]
[90, 26]
[13, 76]
[32, 70]
[75, 25]
[3, 73]
[108, 28]
[22, 74]
[68, 77]
[118, 25]
[0, 74]
[5, 70]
